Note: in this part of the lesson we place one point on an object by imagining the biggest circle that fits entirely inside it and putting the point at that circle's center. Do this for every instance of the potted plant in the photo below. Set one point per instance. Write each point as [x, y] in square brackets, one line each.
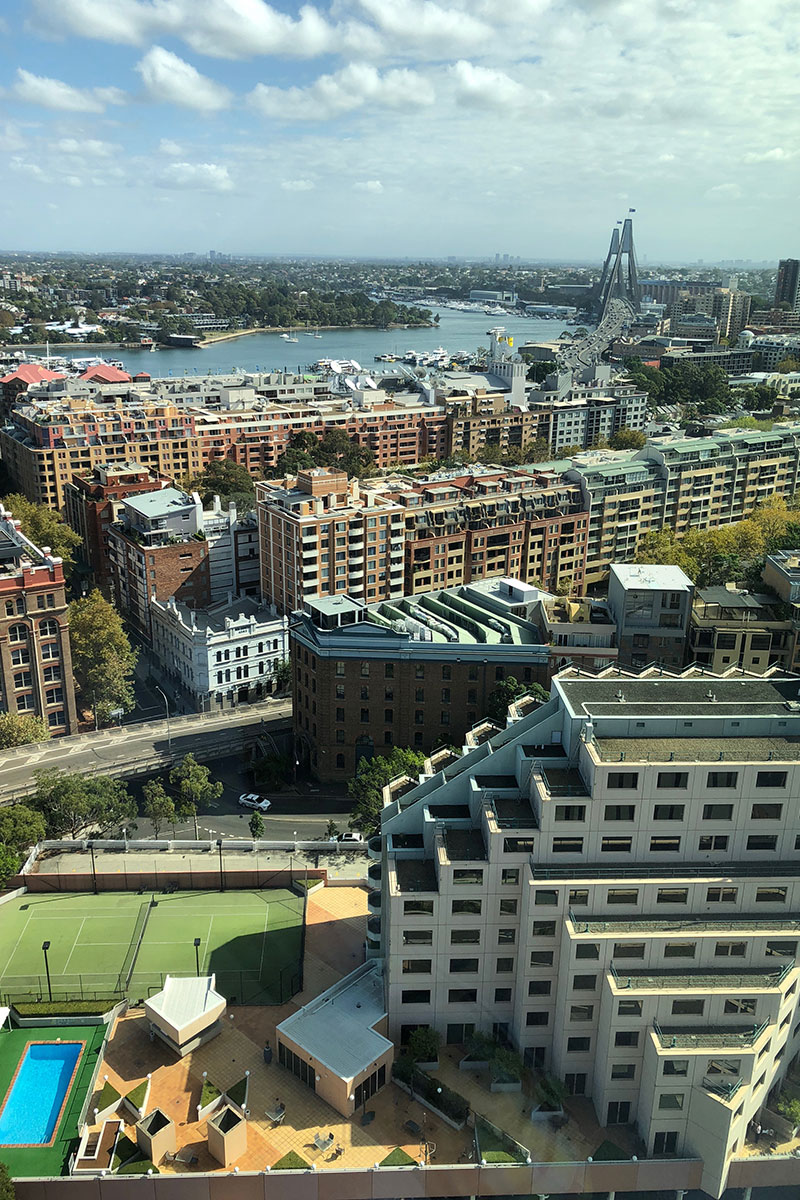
[423, 1048]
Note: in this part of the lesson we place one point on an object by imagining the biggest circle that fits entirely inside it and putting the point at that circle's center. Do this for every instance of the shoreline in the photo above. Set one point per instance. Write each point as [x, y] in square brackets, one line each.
[237, 333]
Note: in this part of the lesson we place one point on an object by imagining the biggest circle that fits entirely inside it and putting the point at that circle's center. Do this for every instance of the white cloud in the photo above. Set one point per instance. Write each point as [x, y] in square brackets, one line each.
[369, 185]
[435, 26]
[10, 136]
[170, 148]
[170, 80]
[201, 177]
[777, 154]
[486, 87]
[20, 167]
[73, 181]
[724, 191]
[86, 147]
[355, 86]
[297, 185]
[53, 93]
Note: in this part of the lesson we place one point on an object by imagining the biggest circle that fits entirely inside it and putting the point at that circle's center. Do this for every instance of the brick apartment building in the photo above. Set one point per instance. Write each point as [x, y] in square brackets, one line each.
[93, 502]
[35, 659]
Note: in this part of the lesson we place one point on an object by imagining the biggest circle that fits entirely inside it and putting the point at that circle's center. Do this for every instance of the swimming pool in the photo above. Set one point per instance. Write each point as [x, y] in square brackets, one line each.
[36, 1097]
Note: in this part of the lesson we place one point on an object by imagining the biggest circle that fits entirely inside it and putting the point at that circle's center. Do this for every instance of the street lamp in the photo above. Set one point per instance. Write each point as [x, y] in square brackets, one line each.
[45, 948]
[221, 875]
[166, 706]
[197, 955]
[94, 871]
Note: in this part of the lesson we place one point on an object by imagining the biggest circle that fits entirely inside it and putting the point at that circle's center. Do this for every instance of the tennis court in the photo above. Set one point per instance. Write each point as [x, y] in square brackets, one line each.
[120, 943]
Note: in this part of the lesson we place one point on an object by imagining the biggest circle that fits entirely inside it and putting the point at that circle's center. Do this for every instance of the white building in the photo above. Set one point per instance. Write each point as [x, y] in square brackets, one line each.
[223, 655]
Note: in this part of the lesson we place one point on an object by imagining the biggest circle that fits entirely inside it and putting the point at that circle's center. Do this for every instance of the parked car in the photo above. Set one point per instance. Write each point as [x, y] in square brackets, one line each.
[253, 800]
[351, 836]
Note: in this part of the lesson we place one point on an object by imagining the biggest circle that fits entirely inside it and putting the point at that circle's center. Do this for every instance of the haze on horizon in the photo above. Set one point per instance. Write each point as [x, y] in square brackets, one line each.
[401, 127]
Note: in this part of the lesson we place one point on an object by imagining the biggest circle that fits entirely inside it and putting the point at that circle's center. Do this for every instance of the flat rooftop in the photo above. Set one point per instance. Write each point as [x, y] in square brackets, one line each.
[660, 695]
[651, 576]
[703, 980]
[693, 925]
[416, 875]
[159, 503]
[703, 749]
[464, 845]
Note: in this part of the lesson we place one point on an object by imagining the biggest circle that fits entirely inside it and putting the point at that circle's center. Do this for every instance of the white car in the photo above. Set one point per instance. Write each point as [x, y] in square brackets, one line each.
[253, 800]
[350, 837]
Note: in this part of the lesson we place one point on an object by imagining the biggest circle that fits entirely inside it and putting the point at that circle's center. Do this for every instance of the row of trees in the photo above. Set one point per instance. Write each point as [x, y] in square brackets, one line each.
[333, 449]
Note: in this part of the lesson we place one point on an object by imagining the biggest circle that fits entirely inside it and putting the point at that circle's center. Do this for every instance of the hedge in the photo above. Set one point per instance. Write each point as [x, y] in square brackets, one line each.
[291, 1162]
[108, 1096]
[140, 1167]
[64, 1008]
[238, 1092]
[210, 1092]
[136, 1095]
[398, 1158]
[437, 1094]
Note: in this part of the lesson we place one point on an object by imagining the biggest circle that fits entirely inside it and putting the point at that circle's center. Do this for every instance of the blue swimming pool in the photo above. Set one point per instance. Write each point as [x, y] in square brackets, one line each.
[34, 1103]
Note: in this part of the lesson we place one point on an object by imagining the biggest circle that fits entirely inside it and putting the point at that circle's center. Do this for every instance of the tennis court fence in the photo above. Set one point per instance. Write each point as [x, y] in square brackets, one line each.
[238, 987]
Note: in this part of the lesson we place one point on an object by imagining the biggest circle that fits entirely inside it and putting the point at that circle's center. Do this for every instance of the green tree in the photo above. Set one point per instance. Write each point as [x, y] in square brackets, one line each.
[256, 826]
[20, 826]
[272, 771]
[372, 775]
[283, 675]
[536, 451]
[158, 806]
[196, 788]
[507, 691]
[44, 527]
[76, 805]
[628, 439]
[102, 657]
[227, 479]
[788, 365]
[18, 729]
[662, 546]
[9, 865]
[331, 830]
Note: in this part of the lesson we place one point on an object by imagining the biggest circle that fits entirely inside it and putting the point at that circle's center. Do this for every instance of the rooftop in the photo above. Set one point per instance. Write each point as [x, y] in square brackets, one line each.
[158, 504]
[650, 575]
[621, 695]
[464, 845]
[702, 979]
[705, 1037]
[415, 874]
[185, 1000]
[695, 925]
[685, 749]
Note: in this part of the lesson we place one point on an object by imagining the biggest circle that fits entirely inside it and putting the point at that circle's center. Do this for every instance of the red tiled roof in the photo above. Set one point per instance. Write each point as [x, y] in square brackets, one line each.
[31, 373]
[106, 374]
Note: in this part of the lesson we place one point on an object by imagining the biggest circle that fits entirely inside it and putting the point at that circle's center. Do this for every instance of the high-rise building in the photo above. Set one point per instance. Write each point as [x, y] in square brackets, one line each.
[787, 286]
[611, 885]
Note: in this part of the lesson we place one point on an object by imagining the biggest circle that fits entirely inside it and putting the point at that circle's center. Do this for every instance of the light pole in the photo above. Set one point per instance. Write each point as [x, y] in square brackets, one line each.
[45, 948]
[221, 875]
[94, 871]
[197, 955]
[166, 706]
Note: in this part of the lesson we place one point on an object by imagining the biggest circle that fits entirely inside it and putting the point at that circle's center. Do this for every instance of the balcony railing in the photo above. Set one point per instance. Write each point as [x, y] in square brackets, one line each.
[722, 1085]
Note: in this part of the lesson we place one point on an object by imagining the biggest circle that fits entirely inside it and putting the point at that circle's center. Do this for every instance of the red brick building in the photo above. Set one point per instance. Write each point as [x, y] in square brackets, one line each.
[18, 381]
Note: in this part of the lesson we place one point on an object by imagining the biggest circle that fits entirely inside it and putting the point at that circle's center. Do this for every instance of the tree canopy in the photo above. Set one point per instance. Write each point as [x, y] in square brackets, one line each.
[157, 805]
[706, 386]
[506, 692]
[628, 439]
[20, 827]
[227, 479]
[44, 527]
[77, 805]
[370, 779]
[333, 449]
[19, 729]
[195, 786]
[102, 657]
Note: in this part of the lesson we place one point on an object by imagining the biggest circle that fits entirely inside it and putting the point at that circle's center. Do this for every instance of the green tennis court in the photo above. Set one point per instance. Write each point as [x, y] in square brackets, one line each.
[119, 943]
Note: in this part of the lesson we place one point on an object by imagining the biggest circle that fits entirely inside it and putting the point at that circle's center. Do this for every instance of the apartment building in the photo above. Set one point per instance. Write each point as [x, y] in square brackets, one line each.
[585, 411]
[652, 608]
[787, 285]
[610, 885]
[93, 502]
[220, 656]
[35, 658]
[165, 544]
[770, 348]
[730, 627]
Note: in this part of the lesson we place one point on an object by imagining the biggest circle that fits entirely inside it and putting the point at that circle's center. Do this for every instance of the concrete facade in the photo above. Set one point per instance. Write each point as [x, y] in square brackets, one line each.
[651, 605]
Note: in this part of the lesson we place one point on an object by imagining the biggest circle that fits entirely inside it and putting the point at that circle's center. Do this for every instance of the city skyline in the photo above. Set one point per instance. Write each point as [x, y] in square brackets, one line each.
[416, 128]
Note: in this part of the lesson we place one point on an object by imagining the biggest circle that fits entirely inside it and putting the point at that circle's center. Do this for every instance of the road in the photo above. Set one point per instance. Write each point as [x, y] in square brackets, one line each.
[141, 749]
[582, 354]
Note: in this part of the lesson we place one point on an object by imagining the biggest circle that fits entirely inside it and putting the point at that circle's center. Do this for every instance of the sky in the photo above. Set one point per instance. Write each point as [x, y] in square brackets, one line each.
[401, 127]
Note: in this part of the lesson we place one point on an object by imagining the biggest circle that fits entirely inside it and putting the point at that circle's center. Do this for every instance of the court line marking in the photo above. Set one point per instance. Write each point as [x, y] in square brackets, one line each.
[263, 942]
[75, 941]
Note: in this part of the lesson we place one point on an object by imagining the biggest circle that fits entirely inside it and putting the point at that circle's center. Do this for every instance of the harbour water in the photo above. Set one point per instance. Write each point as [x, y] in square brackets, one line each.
[268, 351]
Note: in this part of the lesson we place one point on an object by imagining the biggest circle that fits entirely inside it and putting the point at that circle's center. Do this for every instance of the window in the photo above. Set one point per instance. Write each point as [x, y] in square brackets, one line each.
[771, 779]
[717, 812]
[623, 1071]
[668, 812]
[626, 1037]
[468, 875]
[672, 896]
[510, 875]
[676, 1066]
[629, 950]
[623, 779]
[508, 908]
[740, 1007]
[465, 937]
[463, 966]
[616, 845]
[713, 841]
[506, 937]
[567, 845]
[671, 1100]
[502, 995]
[730, 949]
[340, 691]
[544, 929]
[570, 812]
[388, 671]
[664, 845]
[766, 812]
[340, 714]
[584, 983]
[416, 966]
[416, 996]
[665, 1142]
[688, 1008]
[721, 895]
[771, 895]
[723, 1066]
[618, 1112]
[622, 896]
[340, 736]
[340, 668]
[539, 987]
[470, 907]
[629, 1008]
[722, 779]
[545, 896]
[517, 845]
[19, 633]
[578, 897]
[762, 841]
[365, 692]
[364, 716]
[48, 628]
[680, 950]
[782, 949]
[581, 1012]
[587, 950]
[365, 669]
[620, 812]
[462, 995]
[578, 1045]
[419, 670]
[673, 779]
[416, 907]
[417, 937]
[505, 966]
[537, 1018]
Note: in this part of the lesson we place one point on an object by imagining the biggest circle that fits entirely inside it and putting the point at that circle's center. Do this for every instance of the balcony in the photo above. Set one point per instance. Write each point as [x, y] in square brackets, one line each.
[374, 903]
[723, 1086]
[374, 872]
[416, 875]
[708, 1037]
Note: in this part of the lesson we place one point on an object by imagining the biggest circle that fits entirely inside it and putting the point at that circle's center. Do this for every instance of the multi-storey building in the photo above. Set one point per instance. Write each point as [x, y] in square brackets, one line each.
[651, 606]
[770, 348]
[35, 659]
[787, 286]
[165, 545]
[220, 656]
[19, 380]
[729, 627]
[93, 502]
[611, 885]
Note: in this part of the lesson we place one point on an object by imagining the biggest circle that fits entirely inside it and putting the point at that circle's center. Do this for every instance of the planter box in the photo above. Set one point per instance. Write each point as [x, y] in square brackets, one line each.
[784, 1130]
[505, 1085]
[427, 1104]
[473, 1064]
[211, 1107]
[139, 1112]
[67, 1022]
[301, 890]
[544, 1114]
[428, 1066]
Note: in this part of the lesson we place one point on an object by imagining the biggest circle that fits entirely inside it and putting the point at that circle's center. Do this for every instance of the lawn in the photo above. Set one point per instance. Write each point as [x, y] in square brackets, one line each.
[124, 944]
